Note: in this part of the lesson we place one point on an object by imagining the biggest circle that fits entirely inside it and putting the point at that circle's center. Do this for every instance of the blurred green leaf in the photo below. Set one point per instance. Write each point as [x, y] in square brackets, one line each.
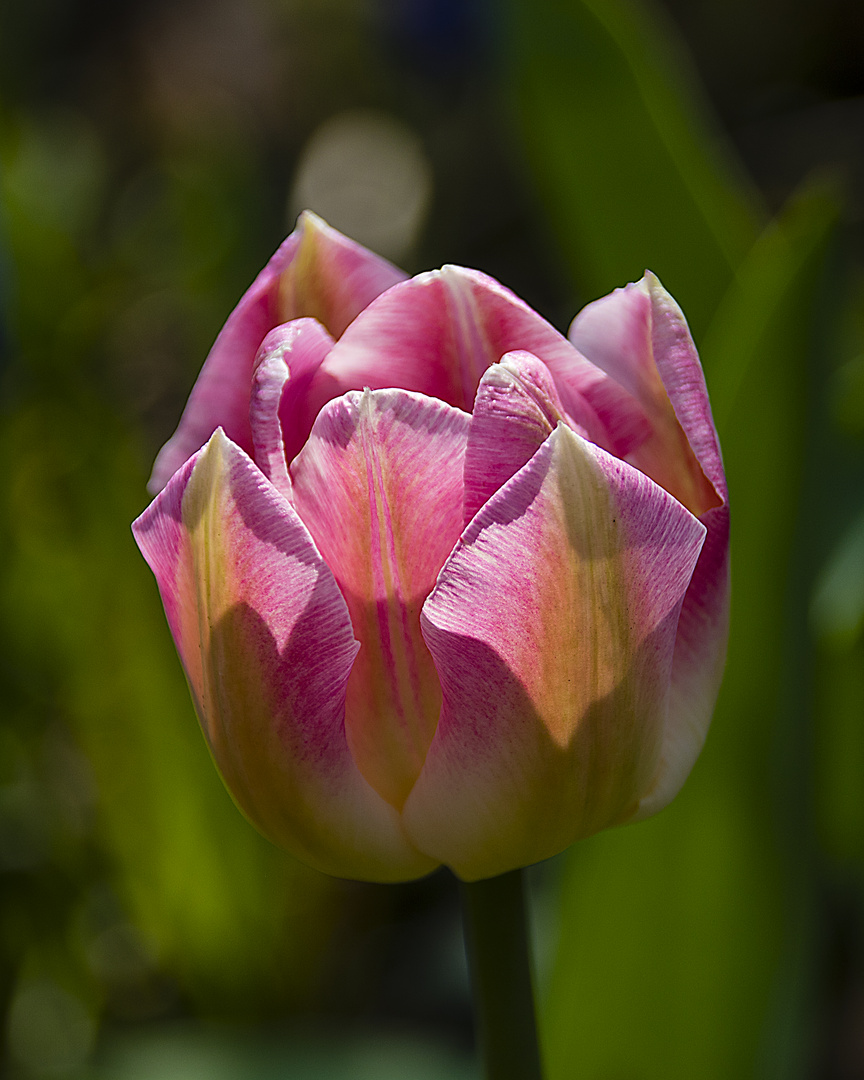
[212, 897]
[672, 930]
[837, 617]
[758, 353]
[848, 397]
[85, 643]
[313, 1054]
[621, 146]
[778, 267]
[837, 609]
[839, 756]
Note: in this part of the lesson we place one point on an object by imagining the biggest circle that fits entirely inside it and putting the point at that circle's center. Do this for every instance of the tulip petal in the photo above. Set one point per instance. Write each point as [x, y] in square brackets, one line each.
[316, 272]
[703, 629]
[265, 638]
[516, 409]
[331, 278]
[659, 366]
[438, 332]
[379, 486]
[697, 669]
[678, 364]
[286, 363]
[640, 336]
[552, 627]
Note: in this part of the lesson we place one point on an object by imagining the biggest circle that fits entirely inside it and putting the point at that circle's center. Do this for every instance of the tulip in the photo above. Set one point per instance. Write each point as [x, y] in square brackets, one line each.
[447, 586]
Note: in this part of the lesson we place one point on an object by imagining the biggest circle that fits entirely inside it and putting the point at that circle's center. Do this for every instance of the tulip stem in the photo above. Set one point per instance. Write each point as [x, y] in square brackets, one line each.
[496, 940]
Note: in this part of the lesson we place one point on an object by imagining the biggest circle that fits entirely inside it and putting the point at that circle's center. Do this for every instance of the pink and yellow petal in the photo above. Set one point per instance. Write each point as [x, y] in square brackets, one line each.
[681, 372]
[516, 409]
[316, 272]
[703, 627]
[697, 666]
[379, 486]
[552, 627]
[640, 336]
[331, 278]
[266, 642]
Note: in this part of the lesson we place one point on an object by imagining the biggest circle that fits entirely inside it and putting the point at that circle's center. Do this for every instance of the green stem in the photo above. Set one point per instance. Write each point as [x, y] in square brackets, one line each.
[496, 940]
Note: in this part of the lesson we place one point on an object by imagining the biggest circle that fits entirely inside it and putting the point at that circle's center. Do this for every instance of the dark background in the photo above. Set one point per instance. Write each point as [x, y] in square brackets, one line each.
[152, 156]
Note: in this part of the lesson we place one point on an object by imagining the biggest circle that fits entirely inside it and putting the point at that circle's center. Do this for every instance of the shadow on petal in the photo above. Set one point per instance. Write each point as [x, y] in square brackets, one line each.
[505, 784]
[275, 727]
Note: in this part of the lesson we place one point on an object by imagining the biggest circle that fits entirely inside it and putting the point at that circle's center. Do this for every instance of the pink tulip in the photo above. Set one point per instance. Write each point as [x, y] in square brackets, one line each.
[447, 587]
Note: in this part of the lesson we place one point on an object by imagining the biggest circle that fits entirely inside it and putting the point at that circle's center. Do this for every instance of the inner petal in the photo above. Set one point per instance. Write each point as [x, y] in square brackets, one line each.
[439, 332]
[516, 409]
[286, 362]
[379, 486]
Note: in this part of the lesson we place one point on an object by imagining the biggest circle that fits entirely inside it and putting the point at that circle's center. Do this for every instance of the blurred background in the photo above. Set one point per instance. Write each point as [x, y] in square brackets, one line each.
[153, 153]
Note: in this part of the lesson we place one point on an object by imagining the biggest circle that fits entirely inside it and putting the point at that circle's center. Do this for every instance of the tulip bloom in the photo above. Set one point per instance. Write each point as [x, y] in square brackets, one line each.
[447, 586]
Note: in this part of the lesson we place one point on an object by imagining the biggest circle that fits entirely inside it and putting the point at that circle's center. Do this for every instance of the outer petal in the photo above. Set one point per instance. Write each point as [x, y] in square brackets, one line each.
[617, 334]
[266, 642]
[552, 627]
[438, 332]
[379, 485]
[640, 336]
[316, 272]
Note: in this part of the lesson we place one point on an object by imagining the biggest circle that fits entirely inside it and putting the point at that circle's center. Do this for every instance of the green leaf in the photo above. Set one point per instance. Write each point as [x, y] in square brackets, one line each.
[672, 931]
[214, 901]
[837, 618]
[623, 150]
[747, 318]
[314, 1053]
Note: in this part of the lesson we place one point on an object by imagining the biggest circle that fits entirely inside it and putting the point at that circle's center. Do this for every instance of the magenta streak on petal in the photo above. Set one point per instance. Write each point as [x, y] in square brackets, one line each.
[386, 585]
[400, 662]
[161, 536]
[379, 485]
